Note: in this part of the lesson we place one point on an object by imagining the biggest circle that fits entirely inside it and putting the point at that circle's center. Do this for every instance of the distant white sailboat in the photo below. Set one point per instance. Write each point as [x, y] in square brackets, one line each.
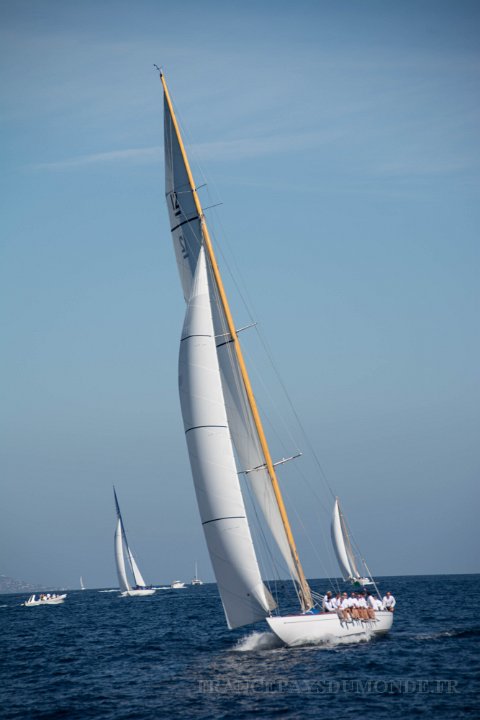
[343, 549]
[139, 587]
[82, 586]
[196, 580]
[224, 431]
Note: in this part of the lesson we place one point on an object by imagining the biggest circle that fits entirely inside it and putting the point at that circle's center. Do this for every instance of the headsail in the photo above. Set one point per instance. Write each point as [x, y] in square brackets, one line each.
[342, 545]
[222, 510]
[137, 575]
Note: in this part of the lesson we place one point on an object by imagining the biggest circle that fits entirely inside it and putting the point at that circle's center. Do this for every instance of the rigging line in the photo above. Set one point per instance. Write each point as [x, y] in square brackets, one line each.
[190, 143]
[263, 545]
[269, 355]
[274, 405]
[360, 555]
[273, 429]
[294, 411]
[307, 535]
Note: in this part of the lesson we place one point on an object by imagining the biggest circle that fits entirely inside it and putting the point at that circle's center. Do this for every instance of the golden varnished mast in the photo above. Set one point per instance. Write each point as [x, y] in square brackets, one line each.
[304, 590]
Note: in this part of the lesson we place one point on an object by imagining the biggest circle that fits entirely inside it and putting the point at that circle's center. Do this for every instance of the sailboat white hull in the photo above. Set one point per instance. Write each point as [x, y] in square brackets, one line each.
[138, 593]
[295, 630]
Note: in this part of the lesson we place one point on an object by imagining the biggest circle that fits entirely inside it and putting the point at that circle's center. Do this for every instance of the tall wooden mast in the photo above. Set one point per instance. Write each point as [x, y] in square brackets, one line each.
[304, 589]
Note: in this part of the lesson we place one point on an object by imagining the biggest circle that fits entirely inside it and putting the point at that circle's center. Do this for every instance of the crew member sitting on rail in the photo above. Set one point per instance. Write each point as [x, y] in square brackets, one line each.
[327, 601]
[389, 601]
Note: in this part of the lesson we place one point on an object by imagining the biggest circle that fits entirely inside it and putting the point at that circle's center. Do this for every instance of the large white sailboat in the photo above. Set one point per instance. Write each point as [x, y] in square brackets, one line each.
[139, 586]
[224, 431]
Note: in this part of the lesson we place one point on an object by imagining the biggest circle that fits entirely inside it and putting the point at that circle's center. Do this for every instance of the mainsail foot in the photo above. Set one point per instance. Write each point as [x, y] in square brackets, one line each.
[325, 628]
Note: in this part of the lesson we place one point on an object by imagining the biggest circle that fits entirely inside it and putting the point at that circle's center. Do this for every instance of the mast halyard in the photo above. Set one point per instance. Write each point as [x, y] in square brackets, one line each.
[304, 589]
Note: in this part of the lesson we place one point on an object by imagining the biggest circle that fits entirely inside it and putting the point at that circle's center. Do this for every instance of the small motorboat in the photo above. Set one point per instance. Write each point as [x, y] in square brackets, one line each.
[44, 599]
[177, 584]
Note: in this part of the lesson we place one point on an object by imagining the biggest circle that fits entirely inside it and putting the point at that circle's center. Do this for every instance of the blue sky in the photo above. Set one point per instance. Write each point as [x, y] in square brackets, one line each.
[342, 140]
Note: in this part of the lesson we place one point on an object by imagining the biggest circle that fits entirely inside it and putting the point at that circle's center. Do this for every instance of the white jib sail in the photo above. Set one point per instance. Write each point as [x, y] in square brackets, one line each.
[244, 596]
[137, 575]
[247, 444]
[120, 559]
[342, 546]
[187, 236]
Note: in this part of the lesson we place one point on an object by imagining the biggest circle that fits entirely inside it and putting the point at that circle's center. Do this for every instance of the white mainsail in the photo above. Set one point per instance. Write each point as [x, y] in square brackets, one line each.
[342, 545]
[120, 558]
[187, 240]
[182, 212]
[244, 596]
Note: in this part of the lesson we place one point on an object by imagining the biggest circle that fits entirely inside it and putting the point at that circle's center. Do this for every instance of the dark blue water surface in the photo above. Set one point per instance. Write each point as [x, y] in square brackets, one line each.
[171, 655]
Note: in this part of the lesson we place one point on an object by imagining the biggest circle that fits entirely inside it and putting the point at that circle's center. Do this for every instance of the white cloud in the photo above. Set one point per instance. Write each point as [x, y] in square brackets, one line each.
[219, 150]
[131, 155]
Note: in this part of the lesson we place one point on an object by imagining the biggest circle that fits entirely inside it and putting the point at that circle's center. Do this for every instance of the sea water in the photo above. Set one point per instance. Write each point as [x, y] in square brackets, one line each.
[170, 655]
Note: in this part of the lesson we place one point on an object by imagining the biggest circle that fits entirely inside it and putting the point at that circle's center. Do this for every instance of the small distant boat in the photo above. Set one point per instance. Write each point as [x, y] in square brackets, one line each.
[44, 599]
[82, 586]
[196, 580]
[139, 587]
[177, 585]
[344, 551]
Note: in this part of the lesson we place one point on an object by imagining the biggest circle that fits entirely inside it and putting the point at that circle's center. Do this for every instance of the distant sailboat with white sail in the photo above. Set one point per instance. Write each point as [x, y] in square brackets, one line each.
[344, 551]
[196, 580]
[122, 549]
[224, 431]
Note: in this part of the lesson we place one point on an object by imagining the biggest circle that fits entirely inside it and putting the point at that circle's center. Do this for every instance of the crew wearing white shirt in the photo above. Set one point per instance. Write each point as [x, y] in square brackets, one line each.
[327, 602]
[389, 601]
[373, 604]
[362, 608]
[344, 608]
[353, 605]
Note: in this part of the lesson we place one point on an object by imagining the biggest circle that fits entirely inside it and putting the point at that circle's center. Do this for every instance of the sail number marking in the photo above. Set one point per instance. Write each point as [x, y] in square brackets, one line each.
[183, 246]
